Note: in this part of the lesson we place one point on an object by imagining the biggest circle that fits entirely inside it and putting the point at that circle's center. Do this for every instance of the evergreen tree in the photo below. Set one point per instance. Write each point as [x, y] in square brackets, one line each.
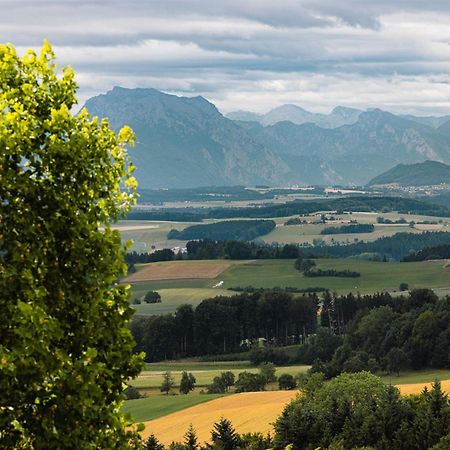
[187, 383]
[167, 383]
[224, 435]
[190, 438]
[152, 443]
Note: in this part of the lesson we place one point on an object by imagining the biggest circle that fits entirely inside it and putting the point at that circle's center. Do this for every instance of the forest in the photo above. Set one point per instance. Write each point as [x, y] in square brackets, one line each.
[240, 230]
[224, 324]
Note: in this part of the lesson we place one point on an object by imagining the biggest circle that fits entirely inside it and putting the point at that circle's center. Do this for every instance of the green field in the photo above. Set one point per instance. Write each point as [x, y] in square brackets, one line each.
[375, 276]
[149, 408]
[174, 297]
[419, 376]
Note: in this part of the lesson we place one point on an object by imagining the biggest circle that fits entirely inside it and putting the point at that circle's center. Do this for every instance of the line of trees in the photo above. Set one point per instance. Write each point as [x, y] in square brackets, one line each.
[351, 228]
[436, 252]
[296, 207]
[239, 230]
[226, 324]
[397, 247]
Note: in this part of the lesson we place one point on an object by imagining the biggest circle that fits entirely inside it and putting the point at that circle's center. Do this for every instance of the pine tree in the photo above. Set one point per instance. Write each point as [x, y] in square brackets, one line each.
[152, 443]
[225, 435]
[167, 382]
[190, 438]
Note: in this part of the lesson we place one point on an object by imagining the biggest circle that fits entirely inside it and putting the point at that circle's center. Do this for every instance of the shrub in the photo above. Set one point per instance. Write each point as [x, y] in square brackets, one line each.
[286, 382]
[152, 297]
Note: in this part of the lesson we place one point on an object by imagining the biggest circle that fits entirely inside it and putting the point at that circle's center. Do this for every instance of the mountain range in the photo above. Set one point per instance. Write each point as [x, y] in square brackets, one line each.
[187, 142]
[427, 173]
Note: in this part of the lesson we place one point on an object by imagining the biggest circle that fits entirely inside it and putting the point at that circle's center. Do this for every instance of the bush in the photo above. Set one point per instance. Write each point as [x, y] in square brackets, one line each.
[404, 286]
[286, 382]
[132, 393]
[152, 297]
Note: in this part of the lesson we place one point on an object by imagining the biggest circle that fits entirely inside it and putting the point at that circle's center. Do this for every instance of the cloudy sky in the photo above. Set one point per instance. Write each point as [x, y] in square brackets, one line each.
[250, 54]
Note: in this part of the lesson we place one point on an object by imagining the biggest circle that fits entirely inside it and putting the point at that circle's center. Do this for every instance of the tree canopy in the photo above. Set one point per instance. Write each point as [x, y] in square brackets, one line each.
[65, 348]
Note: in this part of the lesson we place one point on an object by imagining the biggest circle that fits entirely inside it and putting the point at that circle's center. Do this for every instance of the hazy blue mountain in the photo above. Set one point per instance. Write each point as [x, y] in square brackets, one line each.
[426, 173]
[353, 153]
[432, 121]
[445, 128]
[187, 142]
[245, 116]
[295, 114]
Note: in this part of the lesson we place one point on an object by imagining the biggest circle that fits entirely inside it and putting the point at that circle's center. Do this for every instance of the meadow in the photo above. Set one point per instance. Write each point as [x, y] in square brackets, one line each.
[149, 381]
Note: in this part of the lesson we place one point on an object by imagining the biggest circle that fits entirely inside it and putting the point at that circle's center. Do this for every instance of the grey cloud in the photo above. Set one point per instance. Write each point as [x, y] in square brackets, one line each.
[263, 51]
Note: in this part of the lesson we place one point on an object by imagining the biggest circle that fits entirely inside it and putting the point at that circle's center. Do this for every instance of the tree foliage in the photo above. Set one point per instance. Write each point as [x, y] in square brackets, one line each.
[65, 347]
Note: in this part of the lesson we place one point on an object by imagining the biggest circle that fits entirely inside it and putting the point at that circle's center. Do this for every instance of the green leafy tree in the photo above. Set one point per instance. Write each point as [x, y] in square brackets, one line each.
[66, 350]
[267, 371]
[224, 435]
[167, 383]
[250, 382]
[396, 360]
[187, 383]
[227, 379]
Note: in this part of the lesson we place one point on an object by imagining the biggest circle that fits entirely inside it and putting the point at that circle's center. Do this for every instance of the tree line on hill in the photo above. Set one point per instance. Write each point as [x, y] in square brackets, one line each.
[239, 230]
[435, 252]
[351, 412]
[380, 333]
[226, 324]
[350, 228]
[397, 247]
[350, 204]
[394, 247]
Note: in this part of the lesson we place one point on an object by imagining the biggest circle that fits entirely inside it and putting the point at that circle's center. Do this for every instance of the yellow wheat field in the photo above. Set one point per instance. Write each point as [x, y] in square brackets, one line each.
[248, 412]
[417, 388]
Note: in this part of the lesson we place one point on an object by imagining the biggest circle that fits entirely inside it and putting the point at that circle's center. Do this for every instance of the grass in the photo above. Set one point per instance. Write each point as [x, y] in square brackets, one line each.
[150, 408]
[375, 276]
[418, 376]
[172, 298]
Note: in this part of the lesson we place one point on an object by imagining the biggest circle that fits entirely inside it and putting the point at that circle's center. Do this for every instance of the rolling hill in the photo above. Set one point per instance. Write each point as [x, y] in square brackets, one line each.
[421, 174]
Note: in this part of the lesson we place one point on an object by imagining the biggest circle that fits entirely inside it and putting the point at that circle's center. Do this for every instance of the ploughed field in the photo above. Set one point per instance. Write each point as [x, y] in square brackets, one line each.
[180, 270]
[201, 283]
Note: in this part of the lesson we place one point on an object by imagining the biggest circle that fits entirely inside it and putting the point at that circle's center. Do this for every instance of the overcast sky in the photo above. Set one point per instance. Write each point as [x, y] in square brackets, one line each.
[250, 54]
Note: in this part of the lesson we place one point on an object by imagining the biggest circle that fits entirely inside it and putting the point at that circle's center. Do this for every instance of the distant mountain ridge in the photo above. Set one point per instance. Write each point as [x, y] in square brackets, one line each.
[292, 113]
[187, 142]
[427, 173]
